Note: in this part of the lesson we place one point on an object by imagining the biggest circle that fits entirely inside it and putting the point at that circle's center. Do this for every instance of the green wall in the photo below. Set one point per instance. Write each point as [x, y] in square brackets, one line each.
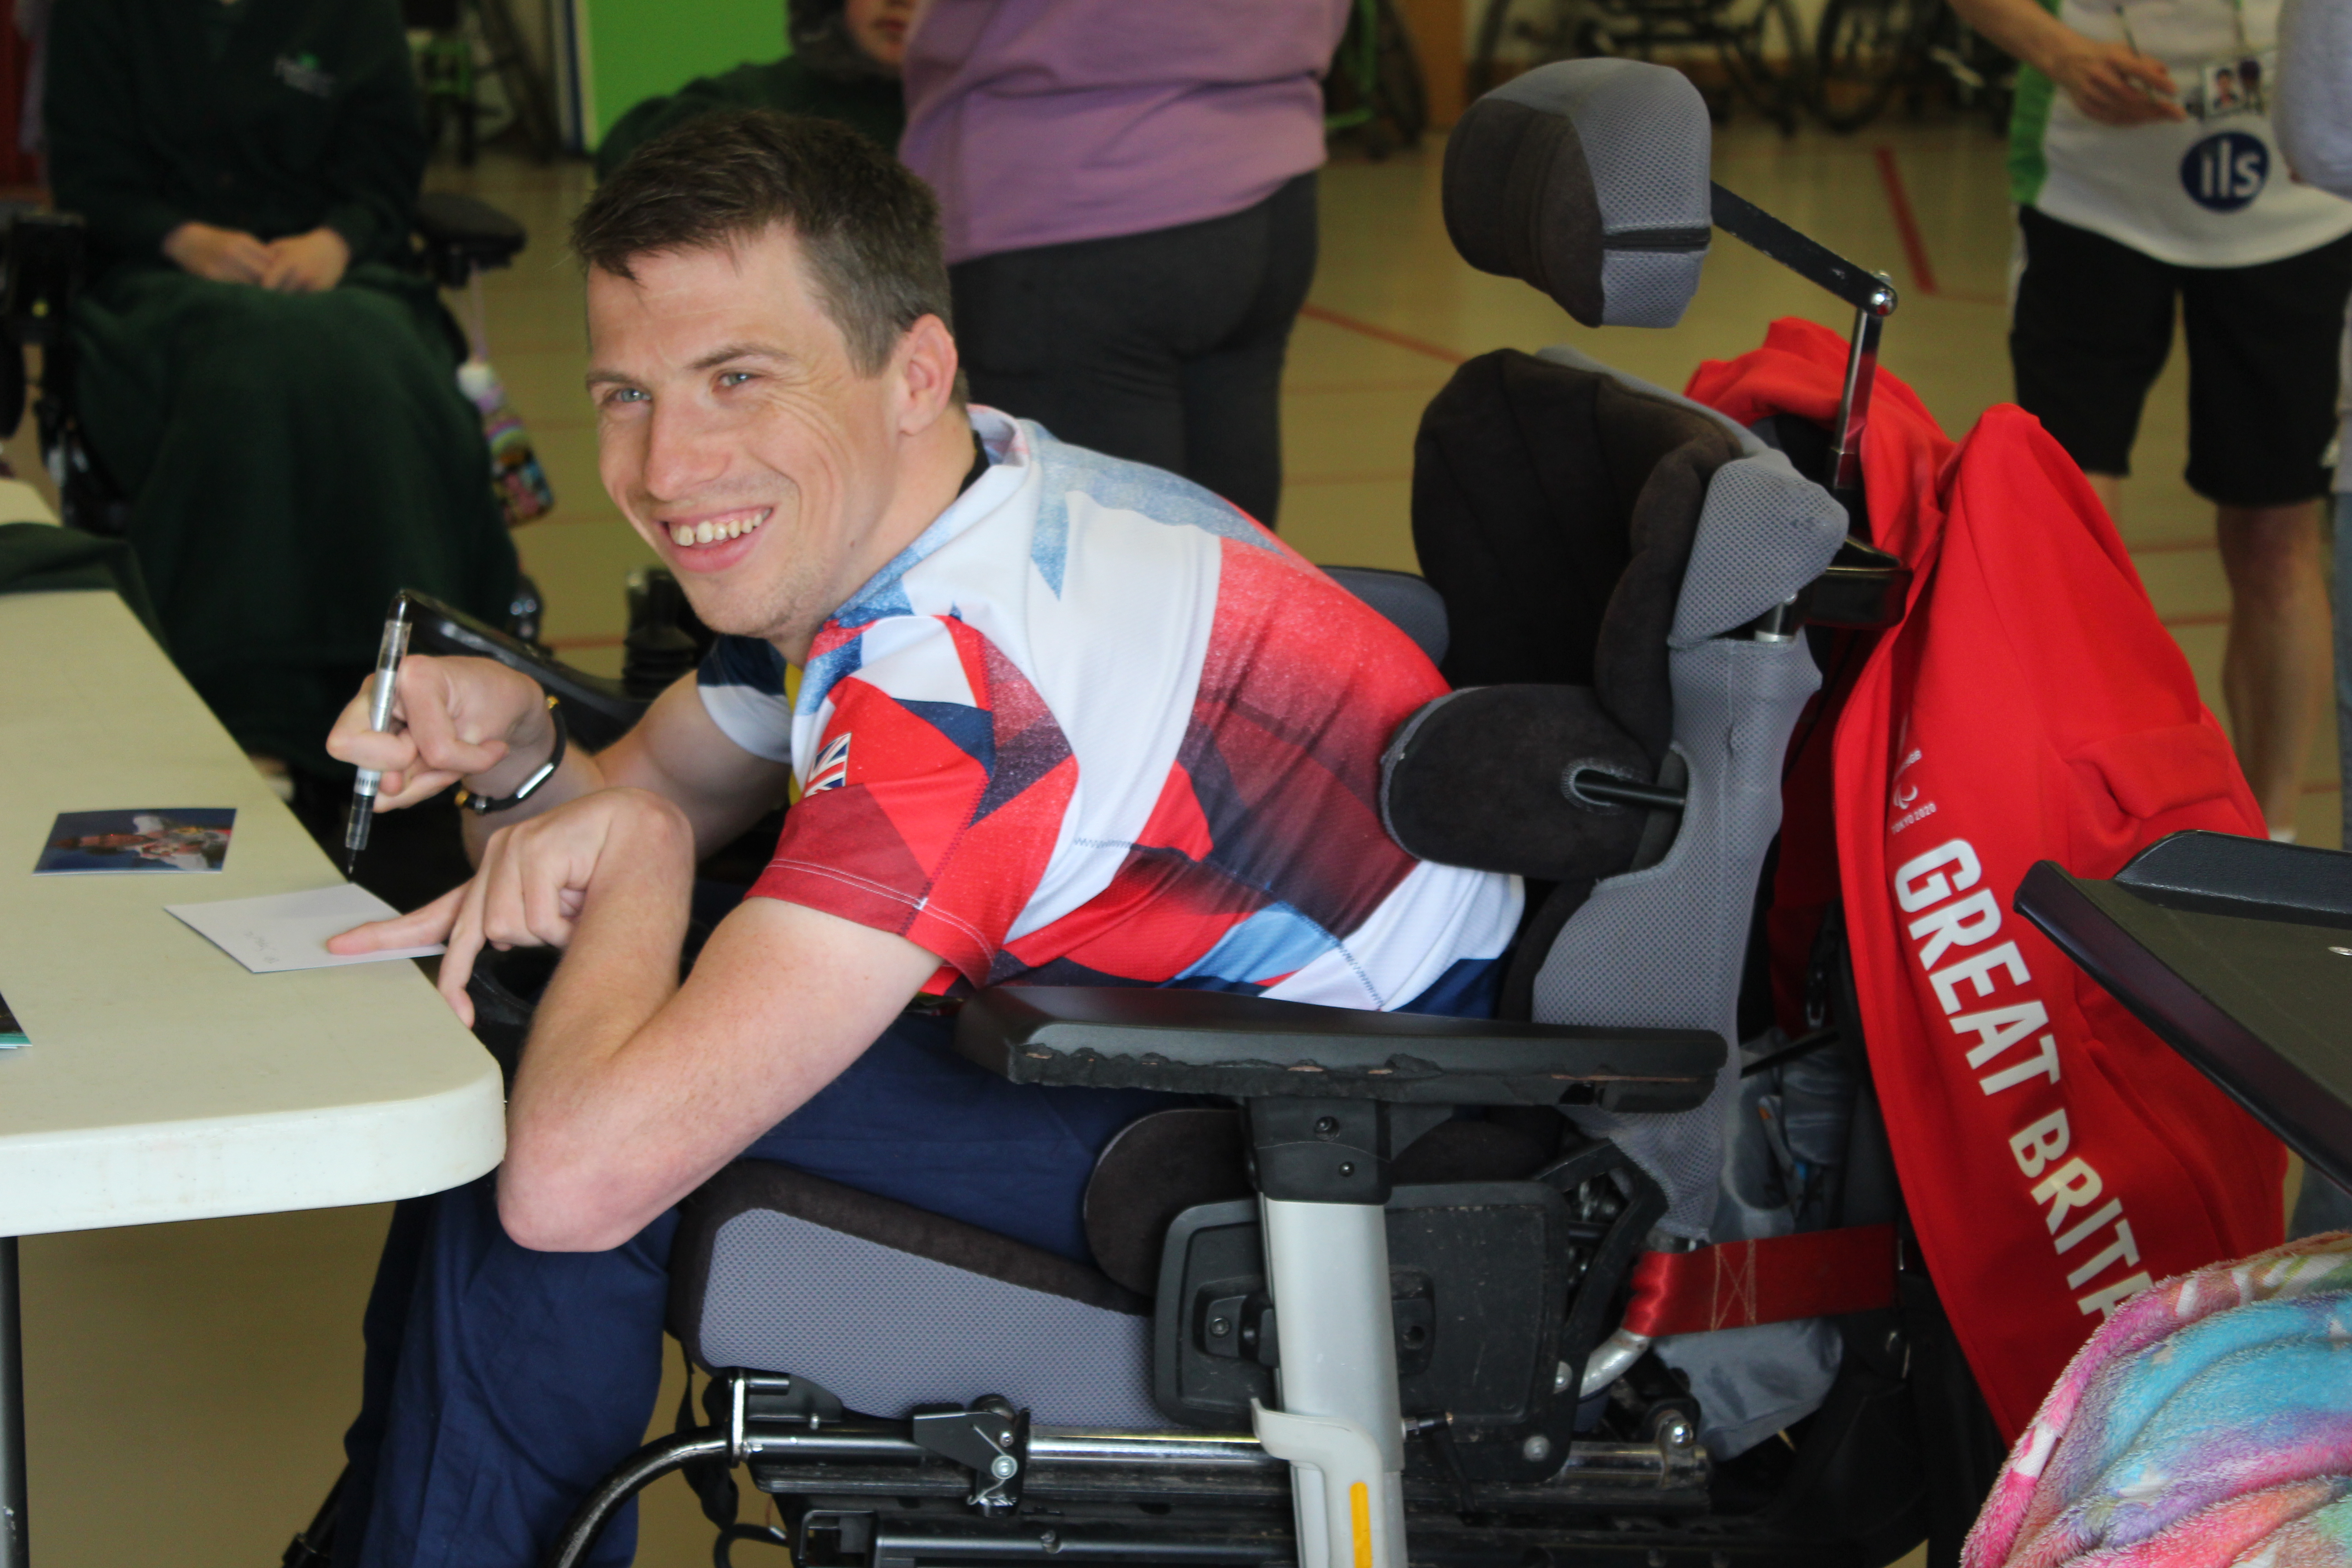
[635, 48]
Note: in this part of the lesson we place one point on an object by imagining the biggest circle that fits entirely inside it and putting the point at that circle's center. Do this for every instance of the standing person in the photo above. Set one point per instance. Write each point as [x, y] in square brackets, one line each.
[844, 66]
[2146, 172]
[257, 363]
[1128, 196]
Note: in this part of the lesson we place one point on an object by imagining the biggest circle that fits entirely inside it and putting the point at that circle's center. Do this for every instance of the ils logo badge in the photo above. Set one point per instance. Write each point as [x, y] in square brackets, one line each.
[832, 769]
[2226, 171]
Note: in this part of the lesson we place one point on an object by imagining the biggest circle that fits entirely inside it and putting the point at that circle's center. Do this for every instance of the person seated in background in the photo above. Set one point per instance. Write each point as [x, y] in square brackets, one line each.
[1061, 719]
[844, 66]
[258, 367]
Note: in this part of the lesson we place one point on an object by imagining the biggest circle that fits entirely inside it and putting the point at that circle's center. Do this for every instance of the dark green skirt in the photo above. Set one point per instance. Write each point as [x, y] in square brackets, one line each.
[294, 461]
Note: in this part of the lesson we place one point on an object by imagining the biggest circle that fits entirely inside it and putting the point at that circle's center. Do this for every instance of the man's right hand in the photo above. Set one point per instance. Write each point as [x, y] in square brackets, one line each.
[222, 255]
[451, 719]
[2114, 84]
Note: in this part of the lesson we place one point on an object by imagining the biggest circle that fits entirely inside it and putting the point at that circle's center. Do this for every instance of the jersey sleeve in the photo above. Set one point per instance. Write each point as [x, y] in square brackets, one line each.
[741, 683]
[934, 798]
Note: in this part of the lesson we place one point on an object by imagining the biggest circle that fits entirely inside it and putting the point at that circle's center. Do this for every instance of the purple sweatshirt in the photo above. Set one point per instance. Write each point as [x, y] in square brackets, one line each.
[1043, 122]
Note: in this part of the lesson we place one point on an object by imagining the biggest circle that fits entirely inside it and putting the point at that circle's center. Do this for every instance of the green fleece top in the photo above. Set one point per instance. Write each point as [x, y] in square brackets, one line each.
[874, 106]
[308, 117]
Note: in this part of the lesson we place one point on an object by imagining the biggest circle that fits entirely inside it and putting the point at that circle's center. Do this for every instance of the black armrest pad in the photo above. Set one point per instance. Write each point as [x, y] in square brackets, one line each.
[446, 217]
[599, 710]
[1214, 1042]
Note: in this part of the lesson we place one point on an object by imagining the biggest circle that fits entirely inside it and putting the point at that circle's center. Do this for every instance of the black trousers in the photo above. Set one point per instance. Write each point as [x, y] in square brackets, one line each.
[1163, 347]
[2093, 327]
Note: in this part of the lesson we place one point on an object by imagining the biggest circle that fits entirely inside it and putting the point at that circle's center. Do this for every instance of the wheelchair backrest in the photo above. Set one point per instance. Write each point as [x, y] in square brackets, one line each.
[1662, 539]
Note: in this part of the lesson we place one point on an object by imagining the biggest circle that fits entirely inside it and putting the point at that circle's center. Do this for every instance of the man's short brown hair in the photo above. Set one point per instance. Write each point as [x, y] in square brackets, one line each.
[870, 228]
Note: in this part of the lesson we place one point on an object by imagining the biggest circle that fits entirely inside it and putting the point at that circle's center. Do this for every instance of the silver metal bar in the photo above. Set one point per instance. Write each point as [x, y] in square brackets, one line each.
[16, 1540]
[1854, 408]
[1071, 1446]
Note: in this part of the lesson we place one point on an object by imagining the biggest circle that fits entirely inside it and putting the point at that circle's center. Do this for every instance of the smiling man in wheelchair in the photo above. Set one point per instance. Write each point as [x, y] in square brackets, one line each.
[1057, 719]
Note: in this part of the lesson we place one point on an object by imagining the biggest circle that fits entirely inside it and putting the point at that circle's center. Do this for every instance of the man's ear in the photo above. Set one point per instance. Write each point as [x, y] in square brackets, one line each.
[926, 365]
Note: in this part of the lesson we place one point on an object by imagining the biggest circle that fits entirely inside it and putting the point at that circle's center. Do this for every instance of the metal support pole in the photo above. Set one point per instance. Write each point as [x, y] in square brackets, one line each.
[1853, 413]
[16, 1544]
[1328, 1267]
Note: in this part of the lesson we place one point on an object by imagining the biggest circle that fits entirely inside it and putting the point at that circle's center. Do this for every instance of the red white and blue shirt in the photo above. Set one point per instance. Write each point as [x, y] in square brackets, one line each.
[1097, 727]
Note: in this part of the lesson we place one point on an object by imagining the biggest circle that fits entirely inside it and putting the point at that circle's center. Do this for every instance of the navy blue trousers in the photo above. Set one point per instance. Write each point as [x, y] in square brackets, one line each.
[501, 1384]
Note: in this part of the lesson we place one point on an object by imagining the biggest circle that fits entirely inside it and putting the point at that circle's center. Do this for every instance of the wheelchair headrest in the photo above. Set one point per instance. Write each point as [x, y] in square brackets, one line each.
[1589, 180]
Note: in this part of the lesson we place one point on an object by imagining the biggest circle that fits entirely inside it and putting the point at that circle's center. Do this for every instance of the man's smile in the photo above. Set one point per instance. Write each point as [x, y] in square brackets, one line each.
[716, 529]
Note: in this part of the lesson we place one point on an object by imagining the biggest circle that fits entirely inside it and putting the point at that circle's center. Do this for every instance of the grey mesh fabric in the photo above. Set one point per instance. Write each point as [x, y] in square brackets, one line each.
[1647, 288]
[1766, 532]
[1647, 145]
[1664, 946]
[885, 1330]
[1756, 1380]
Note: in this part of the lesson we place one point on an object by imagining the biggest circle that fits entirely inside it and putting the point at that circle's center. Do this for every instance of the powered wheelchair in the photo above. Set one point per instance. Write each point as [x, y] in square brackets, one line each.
[1413, 1288]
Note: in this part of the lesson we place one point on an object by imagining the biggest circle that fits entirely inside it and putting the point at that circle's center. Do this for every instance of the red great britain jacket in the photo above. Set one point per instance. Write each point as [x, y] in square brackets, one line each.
[2056, 1156]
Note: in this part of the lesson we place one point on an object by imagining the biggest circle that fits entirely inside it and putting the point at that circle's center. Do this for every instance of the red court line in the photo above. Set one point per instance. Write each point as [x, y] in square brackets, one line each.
[2168, 546]
[2213, 618]
[1898, 200]
[1325, 314]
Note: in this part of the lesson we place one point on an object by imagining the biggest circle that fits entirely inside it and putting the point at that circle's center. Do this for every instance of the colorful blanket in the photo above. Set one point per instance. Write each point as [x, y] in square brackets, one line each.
[2207, 1423]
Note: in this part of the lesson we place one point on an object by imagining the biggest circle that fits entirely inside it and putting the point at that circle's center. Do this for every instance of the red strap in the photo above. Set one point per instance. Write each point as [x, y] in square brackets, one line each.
[1770, 1282]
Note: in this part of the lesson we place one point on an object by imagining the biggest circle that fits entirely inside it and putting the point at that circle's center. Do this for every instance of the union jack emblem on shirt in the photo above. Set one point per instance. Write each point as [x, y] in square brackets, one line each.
[832, 769]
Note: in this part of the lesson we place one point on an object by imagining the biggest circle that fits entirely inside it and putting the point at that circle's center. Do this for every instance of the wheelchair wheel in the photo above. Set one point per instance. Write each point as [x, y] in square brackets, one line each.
[1764, 50]
[1516, 36]
[1864, 51]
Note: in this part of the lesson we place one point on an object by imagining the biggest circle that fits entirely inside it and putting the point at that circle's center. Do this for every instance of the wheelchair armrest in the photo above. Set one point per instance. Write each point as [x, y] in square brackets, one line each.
[464, 235]
[599, 711]
[1216, 1042]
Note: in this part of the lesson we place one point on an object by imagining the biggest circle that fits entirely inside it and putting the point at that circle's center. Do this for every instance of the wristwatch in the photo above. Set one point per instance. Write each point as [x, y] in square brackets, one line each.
[482, 807]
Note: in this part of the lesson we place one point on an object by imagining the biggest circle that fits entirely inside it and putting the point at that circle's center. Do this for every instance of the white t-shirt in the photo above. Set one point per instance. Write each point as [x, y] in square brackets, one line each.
[2208, 190]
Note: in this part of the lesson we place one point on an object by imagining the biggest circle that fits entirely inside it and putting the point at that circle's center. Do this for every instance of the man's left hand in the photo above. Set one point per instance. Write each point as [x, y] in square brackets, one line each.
[537, 876]
[309, 263]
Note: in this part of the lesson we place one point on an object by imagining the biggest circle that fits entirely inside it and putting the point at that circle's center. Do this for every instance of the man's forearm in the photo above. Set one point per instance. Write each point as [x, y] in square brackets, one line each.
[619, 969]
[2020, 27]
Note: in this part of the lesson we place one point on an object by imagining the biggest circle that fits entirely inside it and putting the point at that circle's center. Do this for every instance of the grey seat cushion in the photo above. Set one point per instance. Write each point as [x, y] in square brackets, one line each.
[888, 1307]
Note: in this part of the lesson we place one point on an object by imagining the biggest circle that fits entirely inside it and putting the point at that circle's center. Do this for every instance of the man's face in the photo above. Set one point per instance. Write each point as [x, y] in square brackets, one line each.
[879, 27]
[736, 434]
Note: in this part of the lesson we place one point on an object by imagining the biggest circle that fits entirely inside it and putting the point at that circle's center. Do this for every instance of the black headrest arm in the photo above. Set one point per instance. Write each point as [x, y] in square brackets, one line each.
[1873, 299]
[1808, 258]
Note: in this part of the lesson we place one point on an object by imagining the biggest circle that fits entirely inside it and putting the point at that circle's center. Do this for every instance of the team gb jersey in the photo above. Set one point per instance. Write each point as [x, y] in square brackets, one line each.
[2212, 190]
[1097, 727]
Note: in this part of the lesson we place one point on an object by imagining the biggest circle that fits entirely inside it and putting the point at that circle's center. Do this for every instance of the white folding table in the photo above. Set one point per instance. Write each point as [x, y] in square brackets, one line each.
[164, 1083]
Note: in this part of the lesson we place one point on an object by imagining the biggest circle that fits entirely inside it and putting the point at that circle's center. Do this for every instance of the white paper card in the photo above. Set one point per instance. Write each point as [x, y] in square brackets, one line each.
[289, 931]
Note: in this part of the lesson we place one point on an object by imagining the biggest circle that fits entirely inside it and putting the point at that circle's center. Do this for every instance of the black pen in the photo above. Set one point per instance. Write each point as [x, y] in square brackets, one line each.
[364, 785]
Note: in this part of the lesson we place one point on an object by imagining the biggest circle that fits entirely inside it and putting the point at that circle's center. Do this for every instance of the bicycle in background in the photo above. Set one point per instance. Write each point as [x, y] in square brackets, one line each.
[1766, 58]
[1867, 51]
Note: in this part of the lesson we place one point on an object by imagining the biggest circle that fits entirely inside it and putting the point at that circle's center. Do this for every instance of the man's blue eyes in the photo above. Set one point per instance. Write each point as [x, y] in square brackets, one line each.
[727, 378]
